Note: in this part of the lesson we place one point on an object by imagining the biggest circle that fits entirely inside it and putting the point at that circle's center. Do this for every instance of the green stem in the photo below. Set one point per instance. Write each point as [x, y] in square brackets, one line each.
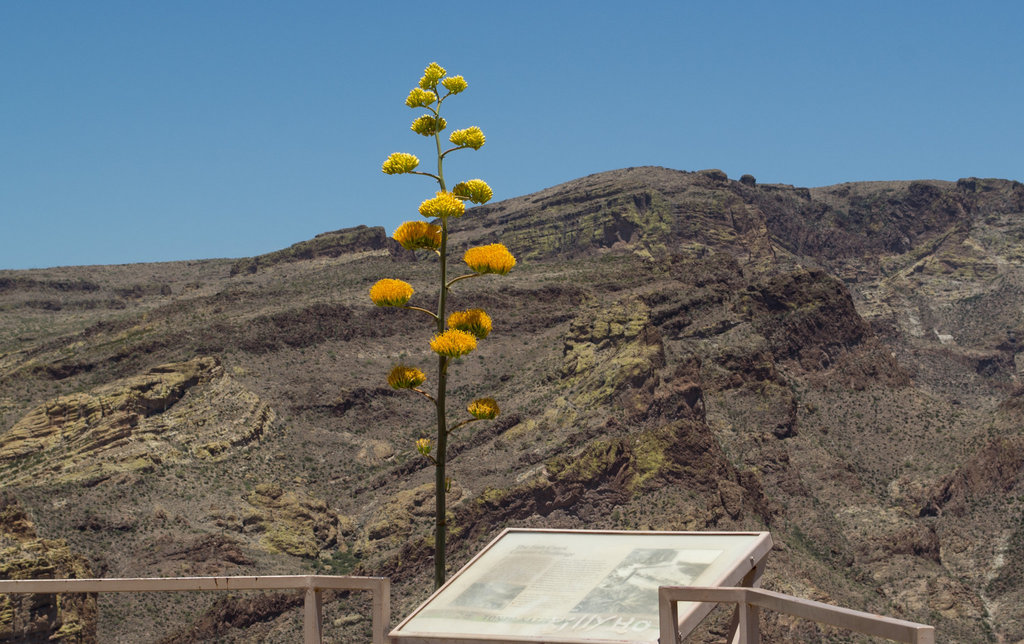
[440, 522]
[461, 424]
[428, 396]
[425, 174]
[462, 277]
[416, 308]
[440, 161]
[441, 460]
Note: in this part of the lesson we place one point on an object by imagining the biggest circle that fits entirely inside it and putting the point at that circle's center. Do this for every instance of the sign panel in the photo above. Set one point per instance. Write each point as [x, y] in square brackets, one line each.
[577, 586]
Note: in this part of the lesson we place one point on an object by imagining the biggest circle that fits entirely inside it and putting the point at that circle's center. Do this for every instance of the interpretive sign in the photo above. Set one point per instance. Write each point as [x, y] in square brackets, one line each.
[577, 586]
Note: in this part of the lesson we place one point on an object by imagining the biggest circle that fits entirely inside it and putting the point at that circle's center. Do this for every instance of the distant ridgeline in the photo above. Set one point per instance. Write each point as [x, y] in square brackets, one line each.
[656, 212]
[330, 244]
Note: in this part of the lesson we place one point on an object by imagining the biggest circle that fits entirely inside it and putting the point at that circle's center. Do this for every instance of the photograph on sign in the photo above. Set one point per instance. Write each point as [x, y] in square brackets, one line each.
[632, 586]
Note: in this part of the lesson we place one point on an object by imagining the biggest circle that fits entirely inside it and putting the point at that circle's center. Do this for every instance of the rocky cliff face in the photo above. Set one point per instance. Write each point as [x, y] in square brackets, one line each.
[673, 351]
[23, 555]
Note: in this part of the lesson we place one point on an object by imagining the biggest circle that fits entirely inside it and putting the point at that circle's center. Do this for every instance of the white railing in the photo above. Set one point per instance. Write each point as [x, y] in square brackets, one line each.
[313, 585]
[751, 600]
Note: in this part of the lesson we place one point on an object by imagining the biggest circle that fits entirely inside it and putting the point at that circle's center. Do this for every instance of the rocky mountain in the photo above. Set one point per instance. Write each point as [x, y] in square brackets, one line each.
[674, 350]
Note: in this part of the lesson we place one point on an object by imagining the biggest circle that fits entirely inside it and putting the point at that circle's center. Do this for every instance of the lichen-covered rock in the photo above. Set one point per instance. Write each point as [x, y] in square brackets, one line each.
[292, 522]
[172, 412]
[69, 618]
[401, 516]
[614, 352]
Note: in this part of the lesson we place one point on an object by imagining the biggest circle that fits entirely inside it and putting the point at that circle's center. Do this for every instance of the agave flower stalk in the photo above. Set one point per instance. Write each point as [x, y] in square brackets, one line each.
[464, 328]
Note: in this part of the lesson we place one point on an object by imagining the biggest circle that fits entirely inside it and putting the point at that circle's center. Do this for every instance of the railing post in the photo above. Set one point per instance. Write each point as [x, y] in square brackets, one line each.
[313, 616]
[925, 636]
[749, 625]
[381, 611]
[668, 617]
[736, 625]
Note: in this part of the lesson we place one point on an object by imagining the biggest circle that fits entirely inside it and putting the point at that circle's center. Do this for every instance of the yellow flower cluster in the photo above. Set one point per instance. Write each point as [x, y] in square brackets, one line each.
[403, 377]
[420, 98]
[423, 446]
[388, 292]
[400, 163]
[431, 75]
[454, 84]
[428, 125]
[413, 235]
[493, 258]
[445, 204]
[483, 408]
[474, 321]
[476, 190]
[471, 137]
[453, 343]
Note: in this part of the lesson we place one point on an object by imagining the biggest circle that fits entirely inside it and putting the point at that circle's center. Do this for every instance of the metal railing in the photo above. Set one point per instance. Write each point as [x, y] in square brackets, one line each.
[313, 585]
[751, 600]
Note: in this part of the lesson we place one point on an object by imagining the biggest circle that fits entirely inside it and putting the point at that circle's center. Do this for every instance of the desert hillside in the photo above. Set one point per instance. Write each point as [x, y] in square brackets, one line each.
[674, 351]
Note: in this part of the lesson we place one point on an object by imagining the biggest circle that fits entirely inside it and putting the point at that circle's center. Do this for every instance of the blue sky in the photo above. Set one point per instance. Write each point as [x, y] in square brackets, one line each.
[155, 131]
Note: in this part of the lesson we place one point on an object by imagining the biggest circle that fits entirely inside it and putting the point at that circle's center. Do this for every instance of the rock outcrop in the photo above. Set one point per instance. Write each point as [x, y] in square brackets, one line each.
[67, 618]
[135, 424]
[290, 522]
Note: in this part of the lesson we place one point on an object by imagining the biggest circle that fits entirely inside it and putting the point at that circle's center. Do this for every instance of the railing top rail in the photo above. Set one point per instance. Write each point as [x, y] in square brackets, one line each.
[164, 584]
[868, 623]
